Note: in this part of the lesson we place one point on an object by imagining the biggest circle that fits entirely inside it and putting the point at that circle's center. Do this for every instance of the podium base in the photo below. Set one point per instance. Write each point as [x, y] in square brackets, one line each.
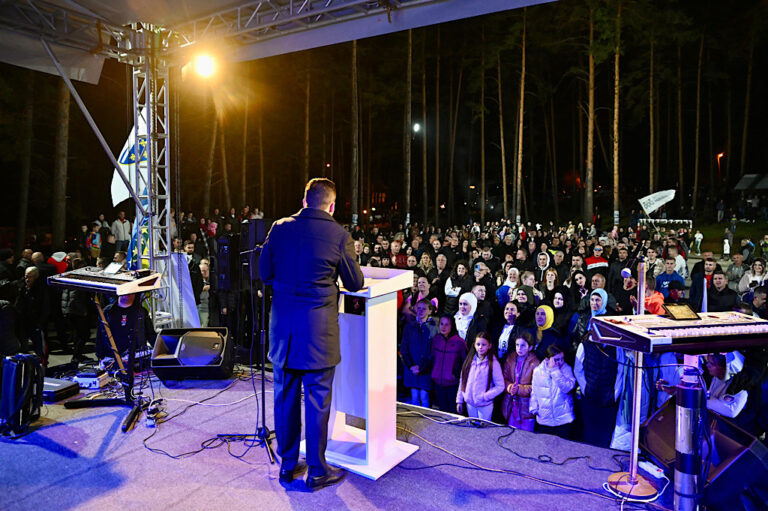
[348, 450]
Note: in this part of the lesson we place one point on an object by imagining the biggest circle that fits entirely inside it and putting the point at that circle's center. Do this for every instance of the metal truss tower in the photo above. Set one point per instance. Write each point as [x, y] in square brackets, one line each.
[151, 107]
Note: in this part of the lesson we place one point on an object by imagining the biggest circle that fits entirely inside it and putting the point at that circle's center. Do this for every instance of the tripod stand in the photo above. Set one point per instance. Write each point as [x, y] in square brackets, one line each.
[263, 436]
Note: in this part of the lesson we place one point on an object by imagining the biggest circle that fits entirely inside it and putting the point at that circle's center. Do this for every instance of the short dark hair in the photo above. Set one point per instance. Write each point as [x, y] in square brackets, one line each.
[320, 192]
[553, 350]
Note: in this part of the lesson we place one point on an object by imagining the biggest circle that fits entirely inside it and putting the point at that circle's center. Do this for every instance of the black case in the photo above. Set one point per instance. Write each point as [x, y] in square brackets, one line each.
[21, 393]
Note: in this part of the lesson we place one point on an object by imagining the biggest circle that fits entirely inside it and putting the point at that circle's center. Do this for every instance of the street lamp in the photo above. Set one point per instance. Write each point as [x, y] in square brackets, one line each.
[719, 174]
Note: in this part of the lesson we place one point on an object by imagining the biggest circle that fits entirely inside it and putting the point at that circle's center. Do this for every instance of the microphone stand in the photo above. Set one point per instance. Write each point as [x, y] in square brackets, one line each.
[263, 433]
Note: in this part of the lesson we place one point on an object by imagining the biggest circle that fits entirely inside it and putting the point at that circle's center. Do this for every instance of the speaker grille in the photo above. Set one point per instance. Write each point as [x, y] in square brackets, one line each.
[200, 348]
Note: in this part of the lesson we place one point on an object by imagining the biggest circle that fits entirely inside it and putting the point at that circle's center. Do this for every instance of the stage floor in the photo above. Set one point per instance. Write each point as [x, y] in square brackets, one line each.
[80, 459]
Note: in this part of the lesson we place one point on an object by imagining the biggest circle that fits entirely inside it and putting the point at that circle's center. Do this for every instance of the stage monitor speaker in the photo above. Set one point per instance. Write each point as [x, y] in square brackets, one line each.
[227, 258]
[738, 474]
[192, 353]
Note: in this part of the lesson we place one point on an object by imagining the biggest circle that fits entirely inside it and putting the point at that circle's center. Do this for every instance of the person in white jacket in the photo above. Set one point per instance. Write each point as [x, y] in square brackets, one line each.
[551, 399]
[754, 277]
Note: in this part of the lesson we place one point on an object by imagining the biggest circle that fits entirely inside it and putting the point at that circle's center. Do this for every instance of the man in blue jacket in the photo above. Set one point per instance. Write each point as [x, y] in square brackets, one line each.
[302, 258]
[663, 280]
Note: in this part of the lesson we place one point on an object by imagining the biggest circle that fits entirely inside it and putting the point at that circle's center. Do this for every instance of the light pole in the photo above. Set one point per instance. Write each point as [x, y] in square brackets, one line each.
[719, 174]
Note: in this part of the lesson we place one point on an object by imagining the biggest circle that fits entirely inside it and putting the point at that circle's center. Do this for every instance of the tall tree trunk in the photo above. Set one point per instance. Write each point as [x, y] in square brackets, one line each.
[354, 176]
[747, 98]
[554, 159]
[711, 158]
[307, 85]
[590, 168]
[482, 127]
[243, 176]
[728, 132]
[505, 213]
[515, 149]
[651, 122]
[424, 187]
[262, 205]
[520, 117]
[580, 113]
[657, 138]
[452, 148]
[680, 185]
[25, 155]
[368, 191]
[61, 153]
[408, 133]
[616, 90]
[437, 131]
[324, 135]
[333, 136]
[209, 168]
[224, 171]
[696, 154]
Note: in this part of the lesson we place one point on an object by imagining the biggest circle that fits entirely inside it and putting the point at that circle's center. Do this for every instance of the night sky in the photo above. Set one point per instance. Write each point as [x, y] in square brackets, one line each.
[555, 91]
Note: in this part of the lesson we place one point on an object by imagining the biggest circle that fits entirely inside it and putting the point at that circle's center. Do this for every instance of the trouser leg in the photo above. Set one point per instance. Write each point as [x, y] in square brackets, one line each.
[317, 411]
[287, 414]
[82, 332]
[39, 345]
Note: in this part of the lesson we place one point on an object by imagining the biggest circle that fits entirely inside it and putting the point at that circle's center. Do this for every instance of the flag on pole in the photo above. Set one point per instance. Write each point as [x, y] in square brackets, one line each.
[654, 201]
[127, 162]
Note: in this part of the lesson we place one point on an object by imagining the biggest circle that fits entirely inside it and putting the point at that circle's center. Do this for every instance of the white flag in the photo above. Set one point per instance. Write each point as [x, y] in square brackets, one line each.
[127, 162]
[654, 201]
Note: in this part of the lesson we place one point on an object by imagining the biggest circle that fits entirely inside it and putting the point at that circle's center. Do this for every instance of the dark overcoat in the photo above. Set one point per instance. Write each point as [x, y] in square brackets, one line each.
[302, 258]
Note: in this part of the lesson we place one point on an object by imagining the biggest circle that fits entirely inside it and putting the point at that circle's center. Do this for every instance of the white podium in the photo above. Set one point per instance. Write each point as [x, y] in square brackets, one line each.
[365, 384]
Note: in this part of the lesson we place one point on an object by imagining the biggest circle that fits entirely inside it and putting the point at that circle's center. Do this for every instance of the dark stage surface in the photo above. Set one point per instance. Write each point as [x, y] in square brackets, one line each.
[79, 459]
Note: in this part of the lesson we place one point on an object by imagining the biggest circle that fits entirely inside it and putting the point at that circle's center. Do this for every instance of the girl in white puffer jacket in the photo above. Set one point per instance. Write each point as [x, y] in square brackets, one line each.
[551, 399]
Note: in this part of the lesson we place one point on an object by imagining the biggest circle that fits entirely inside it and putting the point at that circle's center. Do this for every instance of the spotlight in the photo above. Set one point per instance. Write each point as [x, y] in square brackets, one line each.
[205, 65]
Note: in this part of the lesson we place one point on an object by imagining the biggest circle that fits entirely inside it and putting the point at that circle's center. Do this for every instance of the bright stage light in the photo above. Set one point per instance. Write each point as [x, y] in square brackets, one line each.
[205, 65]
[416, 127]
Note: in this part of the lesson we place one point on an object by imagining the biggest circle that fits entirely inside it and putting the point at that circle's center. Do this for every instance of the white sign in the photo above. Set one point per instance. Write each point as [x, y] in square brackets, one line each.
[654, 201]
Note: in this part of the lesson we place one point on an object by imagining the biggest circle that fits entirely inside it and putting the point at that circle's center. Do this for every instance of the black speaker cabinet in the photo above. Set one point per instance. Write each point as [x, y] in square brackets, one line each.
[227, 252]
[739, 467]
[192, 353]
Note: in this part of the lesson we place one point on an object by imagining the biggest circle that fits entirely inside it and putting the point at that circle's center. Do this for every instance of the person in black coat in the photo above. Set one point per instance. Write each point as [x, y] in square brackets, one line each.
[33, 306]
[721, 298]
[416, 348]
[75, 305]
[301, 259]
[193, 263]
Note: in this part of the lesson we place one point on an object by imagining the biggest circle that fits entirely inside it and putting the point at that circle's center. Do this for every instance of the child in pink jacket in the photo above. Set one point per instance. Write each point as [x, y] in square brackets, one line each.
[481, 379]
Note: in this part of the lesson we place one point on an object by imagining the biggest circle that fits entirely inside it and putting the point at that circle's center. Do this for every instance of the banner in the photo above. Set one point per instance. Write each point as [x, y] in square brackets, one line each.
[654, 201]
[127, 162]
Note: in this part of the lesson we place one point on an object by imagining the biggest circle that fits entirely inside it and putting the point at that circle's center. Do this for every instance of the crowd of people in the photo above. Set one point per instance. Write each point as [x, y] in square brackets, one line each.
[495, 325]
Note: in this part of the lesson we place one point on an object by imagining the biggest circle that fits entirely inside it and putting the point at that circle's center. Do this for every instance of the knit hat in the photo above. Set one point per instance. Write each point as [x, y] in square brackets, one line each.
[59, 256]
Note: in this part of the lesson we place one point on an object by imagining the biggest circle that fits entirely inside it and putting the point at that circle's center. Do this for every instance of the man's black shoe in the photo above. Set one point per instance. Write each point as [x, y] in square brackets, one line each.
[287, 476]
[334, 475]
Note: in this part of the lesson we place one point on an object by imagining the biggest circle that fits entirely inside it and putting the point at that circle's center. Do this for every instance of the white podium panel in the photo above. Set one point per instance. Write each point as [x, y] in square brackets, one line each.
[365, 384]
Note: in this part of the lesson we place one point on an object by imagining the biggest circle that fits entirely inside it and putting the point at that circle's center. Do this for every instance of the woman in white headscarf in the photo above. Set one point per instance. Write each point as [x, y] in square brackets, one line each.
[465, 314]
[469, 324]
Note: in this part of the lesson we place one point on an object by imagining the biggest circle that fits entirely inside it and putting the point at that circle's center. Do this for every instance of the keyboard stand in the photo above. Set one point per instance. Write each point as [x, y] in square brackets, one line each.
[126, 374]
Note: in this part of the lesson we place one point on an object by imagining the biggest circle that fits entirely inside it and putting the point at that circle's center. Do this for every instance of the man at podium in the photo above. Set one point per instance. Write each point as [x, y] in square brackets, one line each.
[302, 258]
